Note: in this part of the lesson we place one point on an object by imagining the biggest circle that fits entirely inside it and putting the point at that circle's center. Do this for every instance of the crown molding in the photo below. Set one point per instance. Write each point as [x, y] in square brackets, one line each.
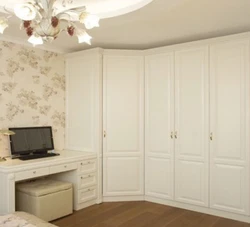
[27, 44]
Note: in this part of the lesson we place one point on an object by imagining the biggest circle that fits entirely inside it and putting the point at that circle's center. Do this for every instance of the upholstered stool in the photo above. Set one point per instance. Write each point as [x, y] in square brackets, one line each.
[45, 198]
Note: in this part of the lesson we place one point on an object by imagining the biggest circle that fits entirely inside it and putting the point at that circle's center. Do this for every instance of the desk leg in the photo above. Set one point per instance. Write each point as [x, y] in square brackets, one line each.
[7, 193]
[11, 194]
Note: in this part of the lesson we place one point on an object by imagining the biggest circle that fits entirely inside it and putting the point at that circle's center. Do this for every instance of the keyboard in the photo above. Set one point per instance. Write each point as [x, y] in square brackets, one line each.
[36, 156]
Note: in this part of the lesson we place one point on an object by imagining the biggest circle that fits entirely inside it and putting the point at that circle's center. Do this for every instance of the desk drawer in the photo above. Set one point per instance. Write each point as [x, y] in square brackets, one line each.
[63, 168]
[86, 180]
[87, 166]
[88, 194]
[24, 175]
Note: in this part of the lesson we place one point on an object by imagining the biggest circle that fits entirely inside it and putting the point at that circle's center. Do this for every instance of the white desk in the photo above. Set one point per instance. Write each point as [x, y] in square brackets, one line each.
[80, 168]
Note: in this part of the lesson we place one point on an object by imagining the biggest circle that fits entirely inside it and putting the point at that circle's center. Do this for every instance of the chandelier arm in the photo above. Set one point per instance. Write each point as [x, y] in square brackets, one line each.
[59, 16]
[8, 11]
[74, 10]
[51, 5]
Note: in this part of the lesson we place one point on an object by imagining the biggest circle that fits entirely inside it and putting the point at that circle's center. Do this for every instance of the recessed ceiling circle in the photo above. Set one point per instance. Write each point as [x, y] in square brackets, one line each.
[102, 8]
[112, 8]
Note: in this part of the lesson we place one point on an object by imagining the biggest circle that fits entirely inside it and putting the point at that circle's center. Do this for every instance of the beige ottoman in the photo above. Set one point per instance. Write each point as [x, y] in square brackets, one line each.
[45, 198]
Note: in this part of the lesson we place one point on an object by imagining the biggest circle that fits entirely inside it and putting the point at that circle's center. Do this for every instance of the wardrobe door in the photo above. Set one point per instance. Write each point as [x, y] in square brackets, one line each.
[159, 106]
[123, 147]
[191, 126]
[229, 189]
[83, 79]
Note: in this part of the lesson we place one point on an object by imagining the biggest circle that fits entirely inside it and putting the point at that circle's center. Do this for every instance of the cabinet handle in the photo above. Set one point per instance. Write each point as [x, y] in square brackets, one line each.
[175, 135]
[65, 166]
[86, 177]
[172, 135]
[211, 136]
[104, 134]
[34, 172]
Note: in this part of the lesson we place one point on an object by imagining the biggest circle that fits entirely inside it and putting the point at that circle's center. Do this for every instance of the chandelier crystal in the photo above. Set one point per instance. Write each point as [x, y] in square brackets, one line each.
[43, 22]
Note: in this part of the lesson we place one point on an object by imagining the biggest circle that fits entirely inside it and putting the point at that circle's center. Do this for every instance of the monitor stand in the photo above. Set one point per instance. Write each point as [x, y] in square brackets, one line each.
[29, 154]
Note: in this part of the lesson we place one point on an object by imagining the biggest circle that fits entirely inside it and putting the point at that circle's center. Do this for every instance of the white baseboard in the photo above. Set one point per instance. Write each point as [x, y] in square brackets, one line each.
[237, 217]
[123, 198]
[84, 205]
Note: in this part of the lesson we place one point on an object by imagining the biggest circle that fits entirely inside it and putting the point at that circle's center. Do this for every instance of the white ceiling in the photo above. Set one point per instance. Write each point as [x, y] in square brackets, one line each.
[160, 23]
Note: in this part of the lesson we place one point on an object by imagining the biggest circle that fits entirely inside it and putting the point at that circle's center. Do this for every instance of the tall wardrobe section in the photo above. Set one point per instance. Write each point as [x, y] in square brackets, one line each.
[159, 125]
[229, 117]
[84, 105]
[177, 132]
[123, 125]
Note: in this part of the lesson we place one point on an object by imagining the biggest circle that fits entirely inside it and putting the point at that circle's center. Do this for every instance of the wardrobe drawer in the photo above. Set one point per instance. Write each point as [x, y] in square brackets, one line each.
[24, 175]
[87, 194]
[86, 180]
[87, 166]
[63, 168]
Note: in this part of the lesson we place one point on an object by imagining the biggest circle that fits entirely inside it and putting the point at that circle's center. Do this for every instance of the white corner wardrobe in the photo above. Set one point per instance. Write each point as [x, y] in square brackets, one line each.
[171, 125]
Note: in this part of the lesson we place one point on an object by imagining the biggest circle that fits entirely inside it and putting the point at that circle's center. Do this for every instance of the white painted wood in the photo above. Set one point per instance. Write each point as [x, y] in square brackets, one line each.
[80, 101]
[84, 105]
[200, 209]
[123, 119]
[13, 171]
[159, 146]
[191, 126]
[229, 189]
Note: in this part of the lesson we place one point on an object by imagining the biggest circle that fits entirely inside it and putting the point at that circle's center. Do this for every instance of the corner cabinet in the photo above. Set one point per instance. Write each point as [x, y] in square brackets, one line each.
[123, 124]
[191, 149]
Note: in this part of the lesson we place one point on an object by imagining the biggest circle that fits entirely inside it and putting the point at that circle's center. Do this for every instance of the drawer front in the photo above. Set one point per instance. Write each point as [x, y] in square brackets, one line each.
[63, 168]
[87, 194]
[86, 180]
[87, 166]
[31, 174]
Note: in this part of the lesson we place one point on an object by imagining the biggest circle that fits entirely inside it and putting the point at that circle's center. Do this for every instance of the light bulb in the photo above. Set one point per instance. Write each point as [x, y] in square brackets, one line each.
[25, 11]
[91, 21]
[35, 40]
[83, 36]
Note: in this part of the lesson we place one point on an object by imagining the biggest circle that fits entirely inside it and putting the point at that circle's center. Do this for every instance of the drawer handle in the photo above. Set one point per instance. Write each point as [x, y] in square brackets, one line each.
[86, 177]
[65, 166]
[34, 172]
[87, 163]
[90, 189]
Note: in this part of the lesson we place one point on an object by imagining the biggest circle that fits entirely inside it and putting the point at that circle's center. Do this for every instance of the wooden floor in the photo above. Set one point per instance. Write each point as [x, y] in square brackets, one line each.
[142, 214]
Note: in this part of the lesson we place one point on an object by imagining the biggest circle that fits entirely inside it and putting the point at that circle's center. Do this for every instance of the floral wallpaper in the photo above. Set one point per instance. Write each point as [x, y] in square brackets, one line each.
[32, 91]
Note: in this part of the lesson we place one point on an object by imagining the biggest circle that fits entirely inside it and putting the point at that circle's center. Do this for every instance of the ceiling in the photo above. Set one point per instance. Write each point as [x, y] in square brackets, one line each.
[160, 23]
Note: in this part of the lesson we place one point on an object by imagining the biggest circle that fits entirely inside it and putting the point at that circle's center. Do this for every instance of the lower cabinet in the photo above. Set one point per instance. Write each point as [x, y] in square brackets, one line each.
[159, 177]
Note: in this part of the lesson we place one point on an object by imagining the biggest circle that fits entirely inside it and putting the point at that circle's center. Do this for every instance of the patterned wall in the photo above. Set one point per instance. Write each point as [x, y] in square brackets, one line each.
[32, 91]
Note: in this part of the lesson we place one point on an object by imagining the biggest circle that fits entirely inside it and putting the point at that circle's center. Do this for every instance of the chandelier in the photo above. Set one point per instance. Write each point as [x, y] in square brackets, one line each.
[43, 21]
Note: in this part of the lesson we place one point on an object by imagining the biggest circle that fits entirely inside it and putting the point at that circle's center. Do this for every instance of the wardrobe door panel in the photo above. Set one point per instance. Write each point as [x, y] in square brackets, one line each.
[83, 76]
[159, 177]
[230, 126]
[123, 175]
[191, 126]
[123, 120]
[159, 125]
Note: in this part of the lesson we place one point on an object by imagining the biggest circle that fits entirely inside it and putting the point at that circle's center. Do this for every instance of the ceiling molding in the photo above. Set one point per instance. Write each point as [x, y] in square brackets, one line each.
[20, 41]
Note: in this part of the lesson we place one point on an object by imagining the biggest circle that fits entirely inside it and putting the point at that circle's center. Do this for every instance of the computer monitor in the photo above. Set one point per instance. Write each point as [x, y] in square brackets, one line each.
[28, 140]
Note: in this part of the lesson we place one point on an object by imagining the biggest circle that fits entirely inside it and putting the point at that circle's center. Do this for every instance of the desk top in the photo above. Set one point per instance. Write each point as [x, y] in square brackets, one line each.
[65, 156]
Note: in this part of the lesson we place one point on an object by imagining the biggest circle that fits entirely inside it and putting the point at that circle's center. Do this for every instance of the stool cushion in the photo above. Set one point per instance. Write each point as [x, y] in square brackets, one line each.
[43, 187]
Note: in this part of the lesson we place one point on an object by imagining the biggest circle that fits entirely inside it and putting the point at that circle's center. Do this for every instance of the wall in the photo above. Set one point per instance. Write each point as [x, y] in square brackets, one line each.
[32, 91]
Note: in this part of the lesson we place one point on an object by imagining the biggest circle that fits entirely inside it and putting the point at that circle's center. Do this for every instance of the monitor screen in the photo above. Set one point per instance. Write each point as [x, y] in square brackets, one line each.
[31, 139]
